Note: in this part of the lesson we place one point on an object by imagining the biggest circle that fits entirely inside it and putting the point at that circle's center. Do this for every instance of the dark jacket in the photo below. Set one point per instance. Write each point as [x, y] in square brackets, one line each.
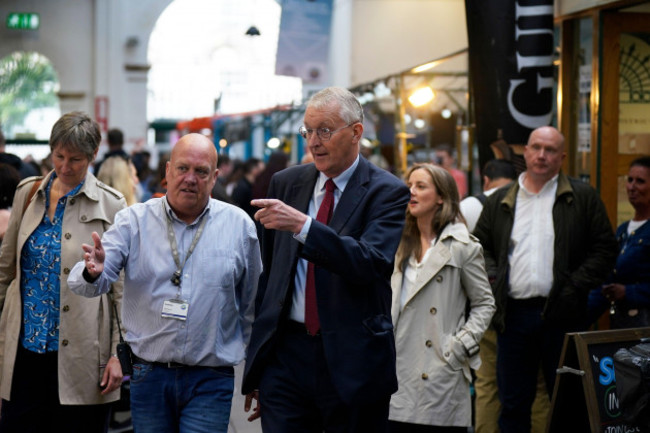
[242, 196]
[584, 250]
[354, 256]
[24, 169]
[633, 271]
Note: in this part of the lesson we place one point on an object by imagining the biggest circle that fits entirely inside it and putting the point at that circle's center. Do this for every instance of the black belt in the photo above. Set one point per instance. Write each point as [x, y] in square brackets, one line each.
[537, 301]
[293, 327]
[172, 364]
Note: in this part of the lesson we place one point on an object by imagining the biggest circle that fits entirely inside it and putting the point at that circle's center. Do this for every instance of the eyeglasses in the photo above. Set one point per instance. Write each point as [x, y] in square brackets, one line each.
[324, 134]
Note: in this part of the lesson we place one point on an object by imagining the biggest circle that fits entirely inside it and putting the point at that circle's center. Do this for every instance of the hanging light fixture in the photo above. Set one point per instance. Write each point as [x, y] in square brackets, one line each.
[252, 31]
[421, 96]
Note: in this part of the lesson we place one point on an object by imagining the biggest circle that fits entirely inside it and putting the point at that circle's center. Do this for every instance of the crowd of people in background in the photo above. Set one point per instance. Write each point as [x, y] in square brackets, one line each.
[238, 182]
[361, 302]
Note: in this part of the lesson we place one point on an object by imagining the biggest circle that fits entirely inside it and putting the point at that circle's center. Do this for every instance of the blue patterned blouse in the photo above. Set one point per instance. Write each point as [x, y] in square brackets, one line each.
[40, 264]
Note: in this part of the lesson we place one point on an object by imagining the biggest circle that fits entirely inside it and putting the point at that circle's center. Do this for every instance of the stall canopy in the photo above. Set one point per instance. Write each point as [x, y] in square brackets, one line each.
[445, 79]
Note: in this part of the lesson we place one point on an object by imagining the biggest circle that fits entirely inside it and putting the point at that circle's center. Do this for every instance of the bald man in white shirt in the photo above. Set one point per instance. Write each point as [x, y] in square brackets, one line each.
[547, 242]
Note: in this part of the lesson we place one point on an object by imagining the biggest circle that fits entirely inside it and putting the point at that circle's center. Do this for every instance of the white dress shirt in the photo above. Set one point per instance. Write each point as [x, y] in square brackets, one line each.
[532, 242]
[411, 271]
[471, 208]
[297, 312]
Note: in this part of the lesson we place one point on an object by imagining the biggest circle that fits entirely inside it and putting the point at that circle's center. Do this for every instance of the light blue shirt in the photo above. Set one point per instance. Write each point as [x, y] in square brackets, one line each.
[219, 281]
[297, 312]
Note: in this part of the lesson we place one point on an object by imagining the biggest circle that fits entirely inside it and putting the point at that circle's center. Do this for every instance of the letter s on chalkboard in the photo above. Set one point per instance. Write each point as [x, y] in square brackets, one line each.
[607, 371]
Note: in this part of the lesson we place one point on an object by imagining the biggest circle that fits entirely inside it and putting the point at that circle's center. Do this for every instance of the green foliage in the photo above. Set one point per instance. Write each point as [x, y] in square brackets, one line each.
[27, 82]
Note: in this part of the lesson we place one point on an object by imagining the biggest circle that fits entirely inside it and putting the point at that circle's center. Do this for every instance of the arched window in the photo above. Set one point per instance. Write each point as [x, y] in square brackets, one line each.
[29, 105]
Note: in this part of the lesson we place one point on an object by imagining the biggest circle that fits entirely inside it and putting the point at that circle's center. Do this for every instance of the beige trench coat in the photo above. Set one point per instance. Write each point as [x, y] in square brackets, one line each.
[432, 337]
[87, 331]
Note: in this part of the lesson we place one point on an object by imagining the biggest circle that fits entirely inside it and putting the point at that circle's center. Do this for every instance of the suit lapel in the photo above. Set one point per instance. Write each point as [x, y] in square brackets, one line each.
[302, 190]
[298, 197]
[354, 192]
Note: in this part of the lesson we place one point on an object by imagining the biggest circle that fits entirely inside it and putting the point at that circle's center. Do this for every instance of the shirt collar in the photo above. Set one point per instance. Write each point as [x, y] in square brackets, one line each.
[70, 193]
[172, 214]
[551, 183]
[341, 180]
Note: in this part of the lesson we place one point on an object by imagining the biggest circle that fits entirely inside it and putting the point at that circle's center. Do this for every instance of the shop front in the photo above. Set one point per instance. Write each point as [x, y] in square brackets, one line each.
[604, 93]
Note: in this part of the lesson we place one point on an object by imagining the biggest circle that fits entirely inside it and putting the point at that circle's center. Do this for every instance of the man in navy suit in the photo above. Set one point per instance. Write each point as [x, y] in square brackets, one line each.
[337, 376]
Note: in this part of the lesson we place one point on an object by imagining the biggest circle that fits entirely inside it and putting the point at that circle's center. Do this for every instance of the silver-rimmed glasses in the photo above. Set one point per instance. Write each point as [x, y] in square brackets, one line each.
[324, 134]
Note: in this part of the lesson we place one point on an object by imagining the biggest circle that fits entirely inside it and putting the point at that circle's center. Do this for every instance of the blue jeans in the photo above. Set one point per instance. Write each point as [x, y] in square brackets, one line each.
[181, 400]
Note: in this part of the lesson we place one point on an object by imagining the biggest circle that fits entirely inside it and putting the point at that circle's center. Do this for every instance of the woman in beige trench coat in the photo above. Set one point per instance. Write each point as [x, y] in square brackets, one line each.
[438, 268]
[56, 365]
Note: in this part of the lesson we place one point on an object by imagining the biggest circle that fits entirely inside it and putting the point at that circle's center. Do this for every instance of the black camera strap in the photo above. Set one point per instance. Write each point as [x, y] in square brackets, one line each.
[117, 318]
[123, 349]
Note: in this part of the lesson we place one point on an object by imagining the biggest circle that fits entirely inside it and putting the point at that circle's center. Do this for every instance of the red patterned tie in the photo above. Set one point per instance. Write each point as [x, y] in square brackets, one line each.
[311, 309]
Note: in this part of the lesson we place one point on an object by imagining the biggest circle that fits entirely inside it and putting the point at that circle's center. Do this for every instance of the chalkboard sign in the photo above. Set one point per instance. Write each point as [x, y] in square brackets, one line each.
[584, 397]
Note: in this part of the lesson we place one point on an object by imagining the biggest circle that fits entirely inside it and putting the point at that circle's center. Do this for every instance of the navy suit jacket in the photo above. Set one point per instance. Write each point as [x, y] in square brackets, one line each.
[354, 258]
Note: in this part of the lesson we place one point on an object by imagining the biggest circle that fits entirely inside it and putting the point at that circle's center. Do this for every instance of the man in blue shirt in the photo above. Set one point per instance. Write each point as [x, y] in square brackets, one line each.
[191, 266]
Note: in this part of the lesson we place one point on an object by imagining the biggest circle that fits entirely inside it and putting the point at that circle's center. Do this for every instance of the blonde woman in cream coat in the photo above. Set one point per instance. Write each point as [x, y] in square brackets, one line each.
[438, 268]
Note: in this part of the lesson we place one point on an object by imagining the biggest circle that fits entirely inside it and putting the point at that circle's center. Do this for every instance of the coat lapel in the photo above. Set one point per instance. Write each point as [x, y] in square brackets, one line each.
[437, 259]
[396, 284]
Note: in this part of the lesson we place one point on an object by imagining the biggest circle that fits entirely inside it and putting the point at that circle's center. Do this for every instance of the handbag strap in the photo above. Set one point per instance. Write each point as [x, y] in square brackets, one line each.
[32, 191]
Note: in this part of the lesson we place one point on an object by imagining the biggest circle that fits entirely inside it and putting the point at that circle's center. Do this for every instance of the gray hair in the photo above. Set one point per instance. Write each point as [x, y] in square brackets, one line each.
[350, 109]
[76, 131]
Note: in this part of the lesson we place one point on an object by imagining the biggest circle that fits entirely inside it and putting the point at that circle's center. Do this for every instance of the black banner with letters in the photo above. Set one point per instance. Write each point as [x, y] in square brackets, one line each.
[511, 68]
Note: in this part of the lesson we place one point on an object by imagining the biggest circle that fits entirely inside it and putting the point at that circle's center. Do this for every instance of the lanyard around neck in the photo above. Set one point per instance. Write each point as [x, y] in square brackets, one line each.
[176, 278]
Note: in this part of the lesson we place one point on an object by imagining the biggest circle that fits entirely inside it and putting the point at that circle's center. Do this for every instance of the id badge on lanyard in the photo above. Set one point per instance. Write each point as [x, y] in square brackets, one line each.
[175, 309]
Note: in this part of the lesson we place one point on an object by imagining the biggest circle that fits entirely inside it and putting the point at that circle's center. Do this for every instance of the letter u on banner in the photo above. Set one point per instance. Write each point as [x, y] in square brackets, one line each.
[511, 68]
